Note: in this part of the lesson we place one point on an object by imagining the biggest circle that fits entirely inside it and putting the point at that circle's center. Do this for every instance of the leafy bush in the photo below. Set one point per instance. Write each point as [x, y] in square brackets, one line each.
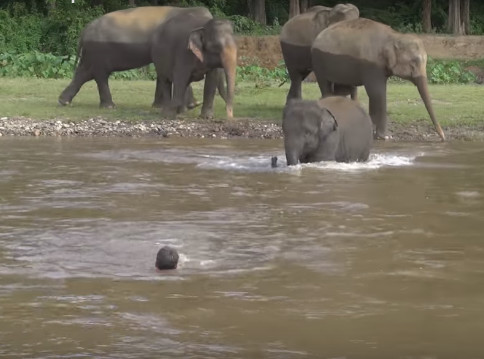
[47, 65]
[35, 64]
[64, 25]
[448, 72]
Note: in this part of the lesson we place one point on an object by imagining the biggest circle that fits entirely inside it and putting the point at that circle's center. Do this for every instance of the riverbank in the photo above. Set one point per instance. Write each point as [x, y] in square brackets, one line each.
[237, 128]
[28, 107]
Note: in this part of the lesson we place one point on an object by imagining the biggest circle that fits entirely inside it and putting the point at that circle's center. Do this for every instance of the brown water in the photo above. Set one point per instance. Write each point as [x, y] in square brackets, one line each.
[376, 260]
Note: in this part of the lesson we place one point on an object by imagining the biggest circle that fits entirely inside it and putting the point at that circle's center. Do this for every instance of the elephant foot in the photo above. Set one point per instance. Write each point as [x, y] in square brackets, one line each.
[169, 113]
[156, 105]
[207, 114]
[194, 104]
[382, 137]
[109, 105]
[63, 102]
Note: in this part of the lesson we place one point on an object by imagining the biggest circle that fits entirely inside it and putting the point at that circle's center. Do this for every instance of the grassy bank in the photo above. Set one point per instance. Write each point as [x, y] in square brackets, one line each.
[455, 105]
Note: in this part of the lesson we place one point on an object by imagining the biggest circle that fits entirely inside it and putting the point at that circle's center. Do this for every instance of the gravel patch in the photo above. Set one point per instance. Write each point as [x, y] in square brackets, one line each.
[237, 128]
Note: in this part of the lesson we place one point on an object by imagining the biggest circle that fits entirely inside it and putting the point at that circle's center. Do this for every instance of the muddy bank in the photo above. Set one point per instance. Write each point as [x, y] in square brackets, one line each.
[237, 128]
[266, 51]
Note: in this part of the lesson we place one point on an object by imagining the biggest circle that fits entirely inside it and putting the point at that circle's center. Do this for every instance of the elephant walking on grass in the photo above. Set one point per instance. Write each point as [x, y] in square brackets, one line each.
[187, 47]
[363, 52]
[123, 40]
[297, 36]
[332, 129]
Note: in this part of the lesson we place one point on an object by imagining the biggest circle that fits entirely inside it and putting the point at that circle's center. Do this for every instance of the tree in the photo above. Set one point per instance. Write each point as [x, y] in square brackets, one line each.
[132, 3]
[294, 8]
[458, 21]
[465, 16]
[257, 11]
[304, 5]
[426, 16]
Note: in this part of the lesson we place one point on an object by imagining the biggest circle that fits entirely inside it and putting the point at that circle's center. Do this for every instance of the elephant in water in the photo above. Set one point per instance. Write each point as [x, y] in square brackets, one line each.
[365, 52]
[123, 40]
[332, 129]
[297, 36]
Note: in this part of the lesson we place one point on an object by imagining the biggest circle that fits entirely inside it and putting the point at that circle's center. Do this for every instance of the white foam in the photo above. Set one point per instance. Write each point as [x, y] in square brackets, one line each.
[263, 163]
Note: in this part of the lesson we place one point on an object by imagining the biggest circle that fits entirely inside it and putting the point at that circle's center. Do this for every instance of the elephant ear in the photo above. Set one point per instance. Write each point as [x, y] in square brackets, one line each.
[335, 124]
[195, 43]
[390, 55]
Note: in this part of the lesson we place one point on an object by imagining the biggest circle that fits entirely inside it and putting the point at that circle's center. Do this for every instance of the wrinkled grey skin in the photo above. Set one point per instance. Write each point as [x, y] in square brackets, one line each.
[188, 47]
[364, 52]
[122, 40]
[297, 36]
[332, 129]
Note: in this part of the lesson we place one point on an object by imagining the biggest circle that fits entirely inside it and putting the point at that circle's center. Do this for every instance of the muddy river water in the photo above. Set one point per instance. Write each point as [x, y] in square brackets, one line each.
[377, 260]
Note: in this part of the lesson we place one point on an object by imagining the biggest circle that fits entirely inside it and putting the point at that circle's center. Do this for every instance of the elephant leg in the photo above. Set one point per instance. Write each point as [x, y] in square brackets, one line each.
[325, 86]
[354, 93]
[164, 88]
[345, 90]
[295, 90]
[209, 89]
[377, 94]
[180, 85]
[104, 92]
[81, 76]
[190, 101]
[158, 100]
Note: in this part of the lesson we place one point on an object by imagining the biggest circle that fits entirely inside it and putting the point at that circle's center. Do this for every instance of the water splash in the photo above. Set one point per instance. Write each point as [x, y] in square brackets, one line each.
[263, 163]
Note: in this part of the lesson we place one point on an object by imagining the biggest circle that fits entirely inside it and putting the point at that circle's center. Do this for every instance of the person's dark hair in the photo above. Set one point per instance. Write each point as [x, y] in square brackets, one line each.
[167, 258]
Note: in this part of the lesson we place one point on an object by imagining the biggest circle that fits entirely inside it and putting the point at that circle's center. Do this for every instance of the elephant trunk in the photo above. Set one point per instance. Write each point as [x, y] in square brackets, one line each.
[229, 62]
[292, 158]
[292, 152]
[421, 83]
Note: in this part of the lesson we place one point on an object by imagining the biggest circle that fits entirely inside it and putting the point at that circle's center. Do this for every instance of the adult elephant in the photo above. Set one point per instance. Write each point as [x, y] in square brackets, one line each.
[363, 52]
[120, 40]
[187, 47]
[298, 34]
[332, 129]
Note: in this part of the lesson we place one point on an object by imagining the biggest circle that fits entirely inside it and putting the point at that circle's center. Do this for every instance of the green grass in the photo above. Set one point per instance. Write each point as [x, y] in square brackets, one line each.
[454, 105]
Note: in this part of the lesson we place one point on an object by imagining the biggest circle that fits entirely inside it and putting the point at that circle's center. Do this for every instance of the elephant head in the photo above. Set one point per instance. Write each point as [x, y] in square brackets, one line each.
[306, 127]
[406, 58]
[342, 12]
[326, 16]
[214, 46]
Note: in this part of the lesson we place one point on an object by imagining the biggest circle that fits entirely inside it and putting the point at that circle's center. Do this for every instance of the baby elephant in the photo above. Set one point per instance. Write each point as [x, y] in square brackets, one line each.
[331, 129]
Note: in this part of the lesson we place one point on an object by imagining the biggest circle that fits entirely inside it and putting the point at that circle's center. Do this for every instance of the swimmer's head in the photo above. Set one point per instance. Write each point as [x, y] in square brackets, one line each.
[167, 258]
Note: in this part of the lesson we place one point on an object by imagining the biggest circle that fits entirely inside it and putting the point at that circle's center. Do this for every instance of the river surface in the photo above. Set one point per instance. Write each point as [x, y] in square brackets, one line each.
[377, 260]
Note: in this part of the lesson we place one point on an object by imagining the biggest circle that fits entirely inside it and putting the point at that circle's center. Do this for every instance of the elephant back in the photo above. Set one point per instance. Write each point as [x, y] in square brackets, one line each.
[302, 29]
[132, 25]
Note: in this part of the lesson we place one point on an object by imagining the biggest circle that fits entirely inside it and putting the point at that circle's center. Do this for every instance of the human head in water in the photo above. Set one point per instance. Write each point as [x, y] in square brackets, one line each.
[167, 258]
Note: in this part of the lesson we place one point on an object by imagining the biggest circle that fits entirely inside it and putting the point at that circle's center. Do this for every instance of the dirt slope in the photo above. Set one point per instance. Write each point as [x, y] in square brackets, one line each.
[265, 50]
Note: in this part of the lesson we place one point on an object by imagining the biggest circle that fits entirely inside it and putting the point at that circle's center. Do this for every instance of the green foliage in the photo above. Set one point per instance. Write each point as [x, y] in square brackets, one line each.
[57, 33]
[245, 26]
[35, 64]
[448, 72]
[261, 76]
[48, 66]
[64, 24]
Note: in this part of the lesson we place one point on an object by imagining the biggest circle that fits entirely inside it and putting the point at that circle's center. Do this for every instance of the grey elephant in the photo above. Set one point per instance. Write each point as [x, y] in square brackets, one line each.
[122, 40]
[332, 129]
[297, 36]
[187, 47]
[363, 52]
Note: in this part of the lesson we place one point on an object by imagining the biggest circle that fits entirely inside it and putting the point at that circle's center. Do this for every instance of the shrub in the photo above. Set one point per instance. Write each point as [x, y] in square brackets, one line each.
[448, 72]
